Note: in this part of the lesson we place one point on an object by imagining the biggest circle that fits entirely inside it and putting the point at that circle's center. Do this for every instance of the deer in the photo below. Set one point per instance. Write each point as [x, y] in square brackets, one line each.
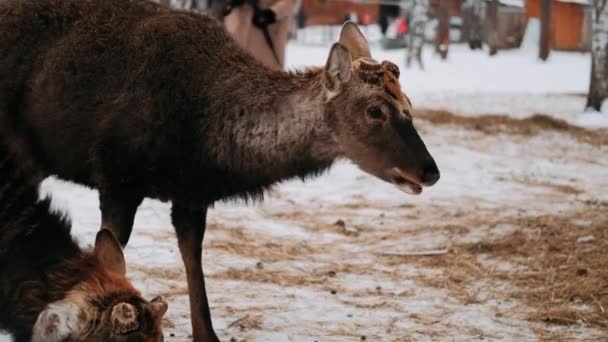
[51, 289]
[141, 101]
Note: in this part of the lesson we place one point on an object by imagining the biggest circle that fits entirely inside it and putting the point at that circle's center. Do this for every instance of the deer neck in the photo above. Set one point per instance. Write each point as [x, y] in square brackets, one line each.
[277, 131]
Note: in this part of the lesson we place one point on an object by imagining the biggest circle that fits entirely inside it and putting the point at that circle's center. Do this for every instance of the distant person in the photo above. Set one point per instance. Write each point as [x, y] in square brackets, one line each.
[387, 12]
[262, 27]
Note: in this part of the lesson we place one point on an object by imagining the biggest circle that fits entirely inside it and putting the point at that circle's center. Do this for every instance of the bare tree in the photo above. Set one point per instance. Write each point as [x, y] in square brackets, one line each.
[598, 88]
[492, 25]
[442, 40]
[545, 29]
[418, 20]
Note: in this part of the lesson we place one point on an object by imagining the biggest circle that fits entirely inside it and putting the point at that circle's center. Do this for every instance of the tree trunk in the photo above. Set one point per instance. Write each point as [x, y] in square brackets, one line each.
[545, 29]
[598, 87]
[443, 30]
[472, 23]
[492, 25]
[465, 30]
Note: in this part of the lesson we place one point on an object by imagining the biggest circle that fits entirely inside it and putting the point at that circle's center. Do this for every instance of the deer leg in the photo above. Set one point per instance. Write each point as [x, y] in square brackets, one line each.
[118, 212]
[190, 229]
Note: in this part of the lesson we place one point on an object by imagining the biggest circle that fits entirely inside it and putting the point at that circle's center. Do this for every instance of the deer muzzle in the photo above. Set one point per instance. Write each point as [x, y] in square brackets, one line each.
[405, 181]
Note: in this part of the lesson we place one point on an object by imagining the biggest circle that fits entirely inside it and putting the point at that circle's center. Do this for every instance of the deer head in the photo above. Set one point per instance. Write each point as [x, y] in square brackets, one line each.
[104, 307]
[372, 117]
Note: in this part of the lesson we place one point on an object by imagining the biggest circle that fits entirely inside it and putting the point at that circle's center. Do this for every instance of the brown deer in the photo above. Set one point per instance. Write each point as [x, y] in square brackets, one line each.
[51, 290]
[138, 101]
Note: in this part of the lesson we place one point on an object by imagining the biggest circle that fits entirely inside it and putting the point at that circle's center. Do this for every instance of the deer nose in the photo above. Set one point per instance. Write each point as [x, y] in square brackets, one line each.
[430, 174]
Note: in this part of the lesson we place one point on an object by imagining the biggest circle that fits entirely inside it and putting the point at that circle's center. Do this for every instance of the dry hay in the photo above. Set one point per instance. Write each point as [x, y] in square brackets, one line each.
[352, 333]
[565, 280]
[248, 322]
[160, 272]
[534, 125]
[557, 270]
[312, 223]
[563, 188]
[559, 280]
[269, 276]
[319, 276]
[262, 250]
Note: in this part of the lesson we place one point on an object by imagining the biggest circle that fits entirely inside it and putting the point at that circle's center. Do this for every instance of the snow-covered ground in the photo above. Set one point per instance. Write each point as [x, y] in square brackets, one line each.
[286, 270]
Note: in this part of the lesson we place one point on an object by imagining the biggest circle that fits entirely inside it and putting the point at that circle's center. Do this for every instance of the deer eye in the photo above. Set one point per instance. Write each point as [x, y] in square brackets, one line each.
[375, 113]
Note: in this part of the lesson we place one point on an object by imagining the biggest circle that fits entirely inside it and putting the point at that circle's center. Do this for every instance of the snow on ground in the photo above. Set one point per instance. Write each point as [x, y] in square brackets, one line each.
[287, 270]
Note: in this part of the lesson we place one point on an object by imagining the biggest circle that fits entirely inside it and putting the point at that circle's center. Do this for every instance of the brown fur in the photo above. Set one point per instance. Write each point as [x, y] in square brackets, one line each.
[139, 101]
[40, 264]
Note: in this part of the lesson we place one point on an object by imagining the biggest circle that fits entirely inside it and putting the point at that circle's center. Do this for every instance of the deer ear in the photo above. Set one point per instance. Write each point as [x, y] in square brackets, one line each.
[158, 307]
[109, 253]
[354, 41]
[338, 66]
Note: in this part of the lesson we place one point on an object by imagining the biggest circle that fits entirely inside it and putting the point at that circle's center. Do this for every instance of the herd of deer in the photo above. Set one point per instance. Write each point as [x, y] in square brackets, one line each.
[136, 100]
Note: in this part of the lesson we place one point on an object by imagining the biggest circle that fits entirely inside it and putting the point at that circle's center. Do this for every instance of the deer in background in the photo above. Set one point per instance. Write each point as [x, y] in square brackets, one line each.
[51, 290]
[137, 101]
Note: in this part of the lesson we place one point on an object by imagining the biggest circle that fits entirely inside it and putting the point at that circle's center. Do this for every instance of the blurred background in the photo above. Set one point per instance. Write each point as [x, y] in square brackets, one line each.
[463, 47]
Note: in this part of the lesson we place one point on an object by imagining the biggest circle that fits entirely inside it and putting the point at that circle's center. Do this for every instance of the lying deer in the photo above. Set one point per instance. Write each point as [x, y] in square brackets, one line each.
[50, 290]
[140, 101]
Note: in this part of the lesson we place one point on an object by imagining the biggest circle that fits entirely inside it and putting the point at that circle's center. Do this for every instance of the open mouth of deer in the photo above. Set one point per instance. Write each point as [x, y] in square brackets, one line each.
[405, 181]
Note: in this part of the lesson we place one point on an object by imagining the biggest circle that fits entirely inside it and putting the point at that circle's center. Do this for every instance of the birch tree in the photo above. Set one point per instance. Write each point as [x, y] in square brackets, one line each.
[492, 25]
[418, 20]
[598, 89]
[474, 11]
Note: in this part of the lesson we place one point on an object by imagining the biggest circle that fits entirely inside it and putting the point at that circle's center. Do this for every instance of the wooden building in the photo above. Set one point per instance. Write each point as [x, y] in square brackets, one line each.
[335, 12]
[511, 24]
[455, 7]
[570, 23]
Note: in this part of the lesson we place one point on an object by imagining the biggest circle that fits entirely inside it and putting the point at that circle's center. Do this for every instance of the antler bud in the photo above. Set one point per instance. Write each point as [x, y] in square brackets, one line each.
[368, 64]
[391, 67]
[124, 318]
[369, 70]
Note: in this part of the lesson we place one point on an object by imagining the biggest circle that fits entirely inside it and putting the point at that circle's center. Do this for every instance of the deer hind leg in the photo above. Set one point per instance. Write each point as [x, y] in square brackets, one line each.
[190, 229]
[118, 212]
